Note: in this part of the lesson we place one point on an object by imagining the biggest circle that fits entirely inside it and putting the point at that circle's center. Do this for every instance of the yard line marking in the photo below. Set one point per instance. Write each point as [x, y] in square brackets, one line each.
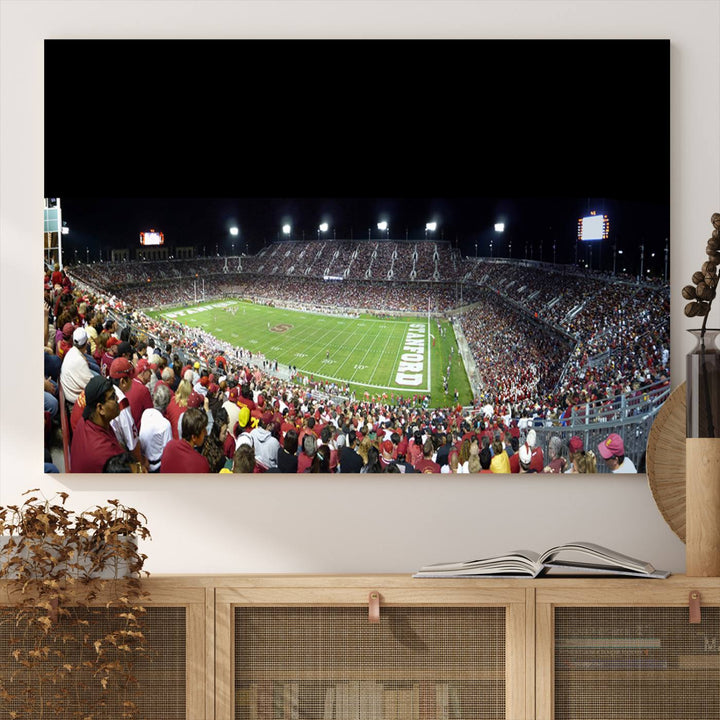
[349, 356]
[333, 331]
[369, 348]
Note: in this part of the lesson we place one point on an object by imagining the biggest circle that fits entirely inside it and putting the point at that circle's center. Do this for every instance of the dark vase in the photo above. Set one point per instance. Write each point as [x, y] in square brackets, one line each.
[703, 386]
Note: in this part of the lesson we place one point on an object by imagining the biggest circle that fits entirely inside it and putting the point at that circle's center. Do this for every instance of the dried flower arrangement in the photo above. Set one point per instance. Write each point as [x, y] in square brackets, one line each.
[703, 292]
[703, 369]
[71, 609]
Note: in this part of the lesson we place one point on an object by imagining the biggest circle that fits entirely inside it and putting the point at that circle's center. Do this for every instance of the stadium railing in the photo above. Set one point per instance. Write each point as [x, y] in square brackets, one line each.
[630, 416]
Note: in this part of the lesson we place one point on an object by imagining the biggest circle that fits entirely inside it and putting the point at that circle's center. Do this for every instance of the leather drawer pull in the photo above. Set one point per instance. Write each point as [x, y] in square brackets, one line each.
[374, 607]
[694, 602]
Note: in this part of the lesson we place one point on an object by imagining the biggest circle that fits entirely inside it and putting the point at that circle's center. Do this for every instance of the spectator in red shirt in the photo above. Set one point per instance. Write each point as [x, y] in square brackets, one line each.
[246, 397]
[57, 276]
[109, 355]
[93, 440]
[305, 458]
[427, 464]
[138, 393]
[182, 456]
[65, 342]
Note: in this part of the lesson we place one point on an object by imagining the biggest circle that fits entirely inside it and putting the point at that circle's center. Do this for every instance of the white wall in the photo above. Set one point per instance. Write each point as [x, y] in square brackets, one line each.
[348, 524]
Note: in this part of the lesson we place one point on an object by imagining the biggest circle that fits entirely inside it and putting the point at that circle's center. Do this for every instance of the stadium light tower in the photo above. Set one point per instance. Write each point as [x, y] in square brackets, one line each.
[287, 229]
[499, 229]
[323, 227]
[642, 259]
[430, 227]
[234, 232]
[384, 226]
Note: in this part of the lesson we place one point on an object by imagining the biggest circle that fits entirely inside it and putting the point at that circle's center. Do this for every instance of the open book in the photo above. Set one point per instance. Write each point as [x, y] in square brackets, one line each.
[575, 558]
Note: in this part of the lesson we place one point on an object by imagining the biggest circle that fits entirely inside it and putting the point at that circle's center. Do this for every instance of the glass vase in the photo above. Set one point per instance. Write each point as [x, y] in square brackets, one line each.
[703, 386]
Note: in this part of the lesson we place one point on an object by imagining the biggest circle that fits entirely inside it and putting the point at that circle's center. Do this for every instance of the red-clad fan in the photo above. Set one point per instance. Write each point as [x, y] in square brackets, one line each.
[109, 355]
[138, 394]
[182, 456]
[93, 439]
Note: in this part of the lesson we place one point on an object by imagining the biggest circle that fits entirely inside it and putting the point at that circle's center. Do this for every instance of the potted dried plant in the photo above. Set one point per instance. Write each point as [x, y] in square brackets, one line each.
[71, 610]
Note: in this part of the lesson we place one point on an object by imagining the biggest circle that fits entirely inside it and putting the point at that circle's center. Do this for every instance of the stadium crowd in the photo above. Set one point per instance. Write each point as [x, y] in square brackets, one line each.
[519, 326]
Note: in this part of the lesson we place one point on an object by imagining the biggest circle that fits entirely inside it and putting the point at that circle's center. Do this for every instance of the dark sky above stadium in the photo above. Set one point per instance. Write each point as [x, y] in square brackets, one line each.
[532, 225]
[190, 137]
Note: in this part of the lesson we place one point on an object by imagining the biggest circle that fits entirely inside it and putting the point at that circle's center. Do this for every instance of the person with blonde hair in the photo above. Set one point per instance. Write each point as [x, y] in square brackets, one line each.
[178, 405]
[364, 448]
[585, 462]
[464, 456]
[474, 465]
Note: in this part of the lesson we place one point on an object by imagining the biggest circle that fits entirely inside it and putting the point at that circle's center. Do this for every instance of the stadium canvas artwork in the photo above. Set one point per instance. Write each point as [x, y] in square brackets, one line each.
[502, 332]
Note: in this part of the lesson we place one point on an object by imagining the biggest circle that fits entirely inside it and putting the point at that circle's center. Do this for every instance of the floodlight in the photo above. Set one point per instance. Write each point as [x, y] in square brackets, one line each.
[499, 227]
[323, 227]
[234, 231]
[431, 226]
[382, 225]
[286, 229]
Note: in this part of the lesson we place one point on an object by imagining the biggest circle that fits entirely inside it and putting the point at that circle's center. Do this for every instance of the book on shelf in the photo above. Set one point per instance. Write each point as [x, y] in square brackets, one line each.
[329, 710]
[442, 701]
[614, 643]
[291, 701]
[574, 558]
[353, 699]
[701, 661]
[622, 662]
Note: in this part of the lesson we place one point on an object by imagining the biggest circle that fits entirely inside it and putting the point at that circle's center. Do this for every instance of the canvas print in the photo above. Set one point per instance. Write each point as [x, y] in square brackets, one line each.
[490, 331]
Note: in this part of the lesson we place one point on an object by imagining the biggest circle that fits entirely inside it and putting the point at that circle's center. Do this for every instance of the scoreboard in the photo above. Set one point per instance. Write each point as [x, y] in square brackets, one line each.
[152, 237]
[593, 227]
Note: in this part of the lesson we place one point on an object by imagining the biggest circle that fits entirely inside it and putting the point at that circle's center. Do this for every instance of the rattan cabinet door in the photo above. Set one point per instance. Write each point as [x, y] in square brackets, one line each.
[630, 662]
[328, 662]
[152, 681]
[625, 660]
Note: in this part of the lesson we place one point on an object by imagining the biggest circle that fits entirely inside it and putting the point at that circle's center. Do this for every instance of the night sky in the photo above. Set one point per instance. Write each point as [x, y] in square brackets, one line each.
[191, 137]
[532, 226]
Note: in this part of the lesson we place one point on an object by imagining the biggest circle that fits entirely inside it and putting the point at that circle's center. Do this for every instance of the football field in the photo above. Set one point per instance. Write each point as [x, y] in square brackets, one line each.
[407, 356]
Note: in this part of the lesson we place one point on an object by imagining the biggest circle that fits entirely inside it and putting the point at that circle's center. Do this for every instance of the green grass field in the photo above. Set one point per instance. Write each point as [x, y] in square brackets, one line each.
[392, 355]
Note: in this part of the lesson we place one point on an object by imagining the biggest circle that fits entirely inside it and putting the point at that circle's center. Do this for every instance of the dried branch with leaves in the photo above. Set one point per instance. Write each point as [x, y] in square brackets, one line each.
[71, 610]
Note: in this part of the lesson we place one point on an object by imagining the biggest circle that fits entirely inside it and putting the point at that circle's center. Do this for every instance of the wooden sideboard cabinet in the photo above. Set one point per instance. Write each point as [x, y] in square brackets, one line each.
[311, 647]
